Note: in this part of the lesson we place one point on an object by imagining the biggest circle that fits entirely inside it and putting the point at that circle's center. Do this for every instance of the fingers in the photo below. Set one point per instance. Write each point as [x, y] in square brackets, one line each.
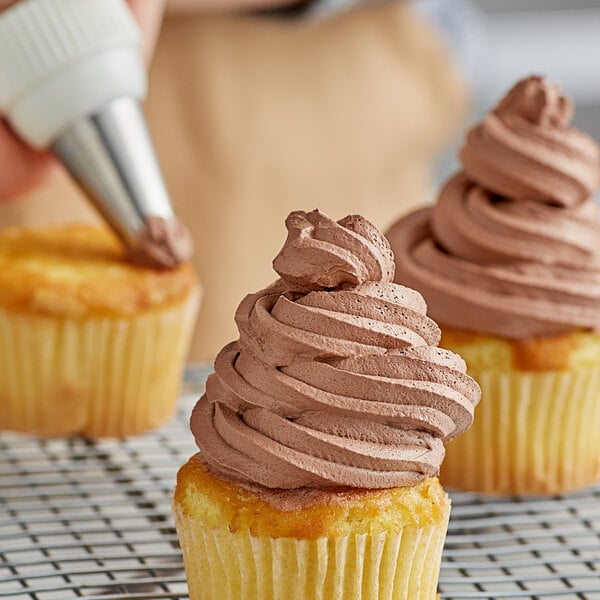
[148, 14]
[21, 168]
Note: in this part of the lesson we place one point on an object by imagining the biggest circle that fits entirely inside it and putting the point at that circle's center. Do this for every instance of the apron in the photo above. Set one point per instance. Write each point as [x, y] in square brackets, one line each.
[254, 117]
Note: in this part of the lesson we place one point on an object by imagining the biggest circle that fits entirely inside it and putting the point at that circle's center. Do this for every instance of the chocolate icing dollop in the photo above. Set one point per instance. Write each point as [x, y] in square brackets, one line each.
[162, 244]
[320, 254]
[524, 148]
[512, 246]
[336, 379]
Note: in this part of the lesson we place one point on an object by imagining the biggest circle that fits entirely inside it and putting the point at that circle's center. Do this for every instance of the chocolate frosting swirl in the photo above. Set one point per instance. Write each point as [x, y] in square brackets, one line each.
[524, 148]
[525, 263]
[336, 379]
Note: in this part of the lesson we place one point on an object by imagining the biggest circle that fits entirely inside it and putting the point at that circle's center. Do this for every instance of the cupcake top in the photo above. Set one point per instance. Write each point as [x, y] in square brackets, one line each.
[525, 149]
[336, 379]
[80, 271]
[512, 247]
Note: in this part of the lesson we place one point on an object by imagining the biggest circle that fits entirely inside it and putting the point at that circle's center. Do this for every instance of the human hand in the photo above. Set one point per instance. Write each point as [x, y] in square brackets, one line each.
[21, 167]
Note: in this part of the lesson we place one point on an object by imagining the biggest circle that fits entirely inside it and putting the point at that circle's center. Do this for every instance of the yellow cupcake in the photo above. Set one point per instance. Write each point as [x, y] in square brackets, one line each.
[350, 543]
[510, 253]
[321, 432]
[536, 428]
[89, 343]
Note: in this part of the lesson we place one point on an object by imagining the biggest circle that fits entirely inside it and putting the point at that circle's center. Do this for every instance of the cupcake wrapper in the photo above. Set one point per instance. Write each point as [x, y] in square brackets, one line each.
[95, 377]
[221, 565]
[534, 433]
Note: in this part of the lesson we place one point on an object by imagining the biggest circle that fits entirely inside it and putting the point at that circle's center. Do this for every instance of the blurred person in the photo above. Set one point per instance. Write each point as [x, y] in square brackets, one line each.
[255, 114]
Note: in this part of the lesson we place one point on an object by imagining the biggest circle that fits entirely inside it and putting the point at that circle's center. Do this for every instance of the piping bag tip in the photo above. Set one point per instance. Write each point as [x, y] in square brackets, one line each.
[111, 156]
[163, 243]
[83, 100]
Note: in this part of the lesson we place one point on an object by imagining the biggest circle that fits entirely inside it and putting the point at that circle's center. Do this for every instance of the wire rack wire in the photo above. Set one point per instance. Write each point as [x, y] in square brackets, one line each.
[83, 519]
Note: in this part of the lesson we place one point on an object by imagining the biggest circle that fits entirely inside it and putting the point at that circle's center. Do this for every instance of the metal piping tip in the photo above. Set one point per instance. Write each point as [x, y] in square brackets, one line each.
[111, 156]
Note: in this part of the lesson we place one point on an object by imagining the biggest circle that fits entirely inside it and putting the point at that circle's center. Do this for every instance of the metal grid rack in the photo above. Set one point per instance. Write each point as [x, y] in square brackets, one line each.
[82, 519]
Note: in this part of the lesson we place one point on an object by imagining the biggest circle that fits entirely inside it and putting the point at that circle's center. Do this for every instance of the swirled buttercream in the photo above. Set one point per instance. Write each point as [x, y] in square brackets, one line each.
[512, 246]
[336, 379]
[524, 148]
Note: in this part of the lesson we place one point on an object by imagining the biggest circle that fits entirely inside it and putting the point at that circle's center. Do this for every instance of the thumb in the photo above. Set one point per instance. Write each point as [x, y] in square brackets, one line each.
[21, 168]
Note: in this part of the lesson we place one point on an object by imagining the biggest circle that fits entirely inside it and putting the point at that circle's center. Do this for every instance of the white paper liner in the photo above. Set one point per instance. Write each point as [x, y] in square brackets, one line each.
[534, 433]
[94, 377]
[221, 565]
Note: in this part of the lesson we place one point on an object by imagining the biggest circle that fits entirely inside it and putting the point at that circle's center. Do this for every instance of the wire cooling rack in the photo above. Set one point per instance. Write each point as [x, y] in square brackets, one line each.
[82, 519]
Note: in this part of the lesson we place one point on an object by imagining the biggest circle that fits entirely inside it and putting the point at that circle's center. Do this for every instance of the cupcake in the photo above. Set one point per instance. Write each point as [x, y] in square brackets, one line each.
[508, 261]
[90, 344]
[321, 432]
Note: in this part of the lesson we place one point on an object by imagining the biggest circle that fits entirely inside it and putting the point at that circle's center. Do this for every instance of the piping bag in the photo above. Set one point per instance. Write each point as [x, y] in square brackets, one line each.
[72, 80]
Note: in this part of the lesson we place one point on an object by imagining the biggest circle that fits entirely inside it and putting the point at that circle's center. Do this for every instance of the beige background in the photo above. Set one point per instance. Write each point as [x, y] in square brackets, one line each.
[255, 117]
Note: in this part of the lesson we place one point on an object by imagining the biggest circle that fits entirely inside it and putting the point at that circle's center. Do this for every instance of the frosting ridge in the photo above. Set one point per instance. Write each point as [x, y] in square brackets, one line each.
[524, 148]
[336, 379]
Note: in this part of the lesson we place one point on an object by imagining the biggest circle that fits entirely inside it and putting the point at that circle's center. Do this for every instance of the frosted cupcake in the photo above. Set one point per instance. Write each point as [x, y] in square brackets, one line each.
[508, 261]
[89, 343]
[322, 431]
